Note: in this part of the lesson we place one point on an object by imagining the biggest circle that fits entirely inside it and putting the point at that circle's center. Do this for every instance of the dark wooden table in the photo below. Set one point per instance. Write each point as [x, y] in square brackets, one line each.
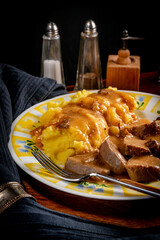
[134, 214]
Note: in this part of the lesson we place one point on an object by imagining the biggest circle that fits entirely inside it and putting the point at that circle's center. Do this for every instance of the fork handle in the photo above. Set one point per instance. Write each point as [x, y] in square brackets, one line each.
[154, 192]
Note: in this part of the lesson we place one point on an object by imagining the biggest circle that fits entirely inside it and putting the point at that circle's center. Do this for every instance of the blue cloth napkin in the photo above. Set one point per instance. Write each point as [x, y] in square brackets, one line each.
[19, 91]
[26, 218]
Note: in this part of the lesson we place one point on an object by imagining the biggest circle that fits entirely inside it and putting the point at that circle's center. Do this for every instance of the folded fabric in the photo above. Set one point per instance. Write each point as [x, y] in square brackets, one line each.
[27, 218]
[18, 91]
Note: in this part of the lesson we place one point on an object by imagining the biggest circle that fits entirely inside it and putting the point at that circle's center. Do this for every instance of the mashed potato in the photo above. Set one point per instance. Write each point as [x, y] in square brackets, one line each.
[81, 125]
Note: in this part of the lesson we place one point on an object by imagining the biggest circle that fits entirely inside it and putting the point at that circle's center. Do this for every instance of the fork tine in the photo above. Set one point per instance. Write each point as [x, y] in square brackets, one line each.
[42, 163]
[52, 164]
[45, 162]
[53, 168]
[45, 165]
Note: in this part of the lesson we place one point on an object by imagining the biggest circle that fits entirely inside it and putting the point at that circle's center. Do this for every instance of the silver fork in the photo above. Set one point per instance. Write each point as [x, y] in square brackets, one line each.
[74, 177]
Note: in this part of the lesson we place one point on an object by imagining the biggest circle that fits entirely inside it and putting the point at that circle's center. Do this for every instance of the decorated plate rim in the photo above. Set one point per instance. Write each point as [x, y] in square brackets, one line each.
[54, 185]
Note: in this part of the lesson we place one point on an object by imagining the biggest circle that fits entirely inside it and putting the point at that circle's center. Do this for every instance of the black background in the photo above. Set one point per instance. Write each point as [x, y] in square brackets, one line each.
[22, 26]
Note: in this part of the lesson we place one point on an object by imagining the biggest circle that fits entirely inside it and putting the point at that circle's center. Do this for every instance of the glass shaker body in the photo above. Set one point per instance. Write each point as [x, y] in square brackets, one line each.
[51, 62]
[89, 74]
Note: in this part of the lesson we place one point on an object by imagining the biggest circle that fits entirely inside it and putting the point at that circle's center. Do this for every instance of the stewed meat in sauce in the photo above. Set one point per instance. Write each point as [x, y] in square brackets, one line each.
[136, 152]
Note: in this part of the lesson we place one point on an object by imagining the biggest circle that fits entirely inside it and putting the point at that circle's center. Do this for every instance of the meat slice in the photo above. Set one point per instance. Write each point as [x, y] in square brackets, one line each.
[111, 155]
[154, 145]
[136, 128]
[86, 163]
[155, 127]
[133, 146]
[143, 168]
[143, 128]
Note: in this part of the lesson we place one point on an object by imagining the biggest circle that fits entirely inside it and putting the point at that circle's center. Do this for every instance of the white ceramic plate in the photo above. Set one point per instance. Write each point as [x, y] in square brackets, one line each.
[148, 107]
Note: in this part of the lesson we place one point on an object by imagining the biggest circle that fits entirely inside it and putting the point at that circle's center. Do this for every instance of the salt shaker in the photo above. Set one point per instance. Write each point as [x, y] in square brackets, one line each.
[51, 62]
[89, 74]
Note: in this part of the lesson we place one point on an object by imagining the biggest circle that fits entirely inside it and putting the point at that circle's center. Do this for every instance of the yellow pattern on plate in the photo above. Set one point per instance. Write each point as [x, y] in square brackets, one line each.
[156, 108]
[21, 143]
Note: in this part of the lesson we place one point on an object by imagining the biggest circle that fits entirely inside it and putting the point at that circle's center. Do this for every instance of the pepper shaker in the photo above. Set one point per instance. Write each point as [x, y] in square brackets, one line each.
[51, 62]
[89, 74]
[123, 69]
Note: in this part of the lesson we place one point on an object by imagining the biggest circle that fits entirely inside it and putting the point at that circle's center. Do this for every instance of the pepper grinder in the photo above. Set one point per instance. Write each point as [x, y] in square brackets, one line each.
[89, 66]
[51, 63]
[123, 70]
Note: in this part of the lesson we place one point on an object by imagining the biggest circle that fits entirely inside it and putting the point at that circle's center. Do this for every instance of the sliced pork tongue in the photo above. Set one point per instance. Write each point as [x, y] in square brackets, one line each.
[143, 168]
[133, 146]
[137, 128]
[154, 146]
[110, 154]
[86, 163]
[143, 128]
